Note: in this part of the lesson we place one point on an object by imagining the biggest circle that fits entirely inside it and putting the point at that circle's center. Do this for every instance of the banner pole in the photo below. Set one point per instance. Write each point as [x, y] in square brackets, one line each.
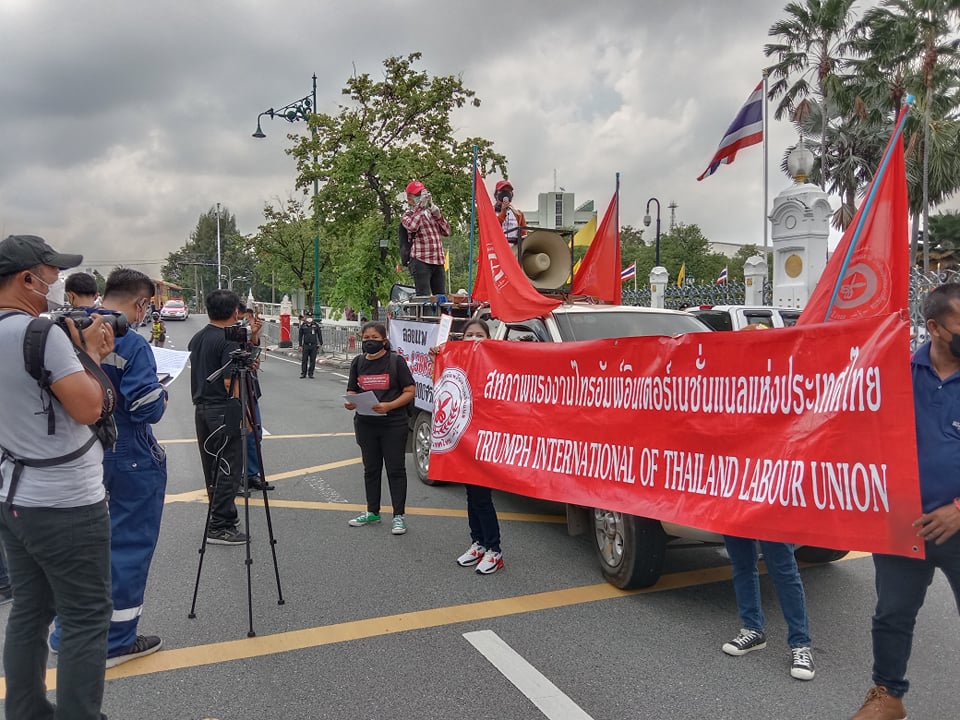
[766, 167]
[473, 226]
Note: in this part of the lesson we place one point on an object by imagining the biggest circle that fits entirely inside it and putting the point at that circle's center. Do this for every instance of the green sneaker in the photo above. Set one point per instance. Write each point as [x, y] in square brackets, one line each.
[399, 525]
[364, 518]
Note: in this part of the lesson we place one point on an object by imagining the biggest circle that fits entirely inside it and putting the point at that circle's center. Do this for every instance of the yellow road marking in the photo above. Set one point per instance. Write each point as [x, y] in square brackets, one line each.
[193, 441]
[213, 653]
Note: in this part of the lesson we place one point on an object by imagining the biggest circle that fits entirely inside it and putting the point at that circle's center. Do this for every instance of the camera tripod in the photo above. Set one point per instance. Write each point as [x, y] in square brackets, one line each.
[241, 383]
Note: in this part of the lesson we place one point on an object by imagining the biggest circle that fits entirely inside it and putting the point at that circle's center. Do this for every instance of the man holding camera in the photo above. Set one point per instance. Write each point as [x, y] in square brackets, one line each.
[53, 518]
[426, 228]
[511, 219]
[134, 470]
[217, 415]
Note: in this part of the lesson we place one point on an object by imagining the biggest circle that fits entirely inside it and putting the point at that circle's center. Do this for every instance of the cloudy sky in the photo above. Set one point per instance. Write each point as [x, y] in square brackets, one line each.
[123, 120]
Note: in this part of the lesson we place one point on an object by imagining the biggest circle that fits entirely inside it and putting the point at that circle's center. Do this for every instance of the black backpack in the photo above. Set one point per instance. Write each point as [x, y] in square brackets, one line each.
[405, 242]
[104, 430]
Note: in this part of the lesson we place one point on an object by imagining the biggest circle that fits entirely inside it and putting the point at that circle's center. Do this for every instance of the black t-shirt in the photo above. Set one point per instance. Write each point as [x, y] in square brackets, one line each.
[375, 375]
[209, 351]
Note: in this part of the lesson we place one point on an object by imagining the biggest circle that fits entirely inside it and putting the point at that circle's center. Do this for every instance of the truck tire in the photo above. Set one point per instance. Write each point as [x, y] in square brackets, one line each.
[810, 554]
[630, 549]
[422, 425]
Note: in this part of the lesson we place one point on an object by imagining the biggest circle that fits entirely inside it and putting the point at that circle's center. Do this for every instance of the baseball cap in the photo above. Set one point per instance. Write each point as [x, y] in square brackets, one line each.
[22, 252]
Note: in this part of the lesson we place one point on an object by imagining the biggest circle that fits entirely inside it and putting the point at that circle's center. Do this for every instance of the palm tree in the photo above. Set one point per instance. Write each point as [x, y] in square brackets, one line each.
[910, 40]
[810, 52]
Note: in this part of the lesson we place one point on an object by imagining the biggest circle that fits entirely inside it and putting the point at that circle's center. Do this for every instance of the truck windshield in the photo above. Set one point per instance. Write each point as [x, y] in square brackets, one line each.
[594, 326]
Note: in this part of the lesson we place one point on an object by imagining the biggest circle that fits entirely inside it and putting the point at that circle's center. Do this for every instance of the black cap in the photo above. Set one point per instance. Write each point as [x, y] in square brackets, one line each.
[22, 252]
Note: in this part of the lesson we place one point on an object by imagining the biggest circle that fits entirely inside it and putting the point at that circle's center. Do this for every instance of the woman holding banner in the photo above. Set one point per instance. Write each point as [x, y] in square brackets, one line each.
[484, 552]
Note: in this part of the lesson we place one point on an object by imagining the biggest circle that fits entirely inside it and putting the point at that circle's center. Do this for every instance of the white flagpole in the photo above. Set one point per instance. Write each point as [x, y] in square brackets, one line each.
[766, 165]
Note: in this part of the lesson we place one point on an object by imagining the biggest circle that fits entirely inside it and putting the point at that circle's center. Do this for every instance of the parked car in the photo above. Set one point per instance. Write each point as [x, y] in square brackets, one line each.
[174, 310]
[737, 317]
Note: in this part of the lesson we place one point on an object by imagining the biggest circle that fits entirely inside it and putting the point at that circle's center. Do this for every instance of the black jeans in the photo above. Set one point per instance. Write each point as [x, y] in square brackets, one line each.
[60, 566]
[427, 279]
[383, 442]
[221, 487]
[482, 516]
[308, 360]
[902, 584]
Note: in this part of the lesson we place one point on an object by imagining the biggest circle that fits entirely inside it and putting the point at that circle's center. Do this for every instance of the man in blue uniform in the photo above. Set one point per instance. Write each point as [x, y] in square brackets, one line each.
[135, 471]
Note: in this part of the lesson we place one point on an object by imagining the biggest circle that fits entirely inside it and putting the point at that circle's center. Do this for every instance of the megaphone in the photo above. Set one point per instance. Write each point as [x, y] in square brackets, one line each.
[546, 260]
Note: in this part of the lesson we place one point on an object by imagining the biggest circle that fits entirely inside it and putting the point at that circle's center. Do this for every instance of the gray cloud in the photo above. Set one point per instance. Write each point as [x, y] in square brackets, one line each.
[124, 121]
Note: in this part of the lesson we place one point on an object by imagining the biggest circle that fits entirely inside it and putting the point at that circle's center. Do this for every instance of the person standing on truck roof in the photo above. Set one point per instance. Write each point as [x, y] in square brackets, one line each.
[511, 219]
[426, 228]
[484, 552]
[382, 437]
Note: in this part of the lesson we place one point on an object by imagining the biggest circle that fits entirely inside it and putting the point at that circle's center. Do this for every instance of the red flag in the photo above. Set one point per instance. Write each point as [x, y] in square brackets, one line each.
[599, 273]
[500, 280]
[868, 274]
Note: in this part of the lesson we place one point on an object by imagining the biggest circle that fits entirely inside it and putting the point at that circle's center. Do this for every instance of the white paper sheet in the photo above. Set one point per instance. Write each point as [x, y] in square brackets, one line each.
[364, 402]
[170, 363]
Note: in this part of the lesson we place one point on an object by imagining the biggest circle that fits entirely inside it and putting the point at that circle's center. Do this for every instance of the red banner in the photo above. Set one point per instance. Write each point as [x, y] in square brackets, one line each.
[802, 435]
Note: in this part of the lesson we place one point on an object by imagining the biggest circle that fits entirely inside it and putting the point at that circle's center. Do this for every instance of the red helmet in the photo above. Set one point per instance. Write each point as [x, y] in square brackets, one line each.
[501, 185]
[415, 187]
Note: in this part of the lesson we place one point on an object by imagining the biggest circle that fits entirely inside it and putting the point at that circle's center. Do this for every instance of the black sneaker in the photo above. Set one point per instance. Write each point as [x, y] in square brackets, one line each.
[746, 641]
[226, 536]
[145, 645]
[254, 485]
[6, 595]
[801, 666]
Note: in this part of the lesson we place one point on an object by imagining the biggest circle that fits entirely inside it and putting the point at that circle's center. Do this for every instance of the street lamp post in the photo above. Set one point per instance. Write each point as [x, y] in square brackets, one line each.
[292, 112]
[646, 222]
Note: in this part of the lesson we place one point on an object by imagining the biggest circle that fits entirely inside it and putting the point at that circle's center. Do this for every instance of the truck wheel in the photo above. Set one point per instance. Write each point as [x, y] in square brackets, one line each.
[810, 554]
[421, 447]
[631, 549]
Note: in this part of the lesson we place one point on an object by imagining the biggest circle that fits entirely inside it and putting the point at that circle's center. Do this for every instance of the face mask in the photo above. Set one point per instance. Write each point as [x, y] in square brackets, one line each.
[54, 293]
[505, 195]
[955, 344]
[372, 347]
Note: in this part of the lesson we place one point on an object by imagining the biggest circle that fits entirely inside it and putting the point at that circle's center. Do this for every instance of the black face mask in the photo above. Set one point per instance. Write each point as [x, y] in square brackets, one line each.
[372, 347]
[955, 344]
[505, 195]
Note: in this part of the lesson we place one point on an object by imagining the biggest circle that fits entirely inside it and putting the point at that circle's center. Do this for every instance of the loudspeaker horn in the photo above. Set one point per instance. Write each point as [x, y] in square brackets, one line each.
[545, 259]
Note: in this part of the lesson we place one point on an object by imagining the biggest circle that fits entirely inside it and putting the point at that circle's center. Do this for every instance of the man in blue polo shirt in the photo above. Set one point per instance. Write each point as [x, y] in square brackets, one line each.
[901, 581]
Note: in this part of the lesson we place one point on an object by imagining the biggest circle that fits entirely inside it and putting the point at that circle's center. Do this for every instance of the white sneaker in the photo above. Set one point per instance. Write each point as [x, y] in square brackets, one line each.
[472, 555]
[490, 563]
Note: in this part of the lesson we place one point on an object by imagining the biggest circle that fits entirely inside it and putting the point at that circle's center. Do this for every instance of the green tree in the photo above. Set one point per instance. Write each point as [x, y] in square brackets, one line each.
[388, 132]
[810, 53]
[194, 265]
[912, 42]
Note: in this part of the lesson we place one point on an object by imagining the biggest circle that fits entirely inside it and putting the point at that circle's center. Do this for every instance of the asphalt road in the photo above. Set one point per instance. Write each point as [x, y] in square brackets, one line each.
[374, 625]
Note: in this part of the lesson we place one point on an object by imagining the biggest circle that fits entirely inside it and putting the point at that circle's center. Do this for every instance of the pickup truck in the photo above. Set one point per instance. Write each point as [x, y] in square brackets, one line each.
[631, 550]
[737, 317]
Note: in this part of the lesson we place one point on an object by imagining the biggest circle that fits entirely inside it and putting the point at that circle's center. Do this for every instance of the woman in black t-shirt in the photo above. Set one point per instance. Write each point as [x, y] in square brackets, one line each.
[382, 437]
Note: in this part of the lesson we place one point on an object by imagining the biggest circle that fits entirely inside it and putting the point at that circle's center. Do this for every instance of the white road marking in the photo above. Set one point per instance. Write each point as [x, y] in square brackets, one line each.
[548, 698]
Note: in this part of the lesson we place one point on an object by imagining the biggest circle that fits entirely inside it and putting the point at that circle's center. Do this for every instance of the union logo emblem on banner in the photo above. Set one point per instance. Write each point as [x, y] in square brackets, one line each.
[452, 409]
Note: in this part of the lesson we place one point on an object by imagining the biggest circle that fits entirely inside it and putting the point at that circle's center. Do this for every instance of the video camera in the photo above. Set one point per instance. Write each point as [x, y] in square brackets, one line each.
[82, 320]
[238, 333]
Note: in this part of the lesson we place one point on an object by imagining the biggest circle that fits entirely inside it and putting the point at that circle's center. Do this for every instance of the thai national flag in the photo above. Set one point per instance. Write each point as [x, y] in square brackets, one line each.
[629, 272]
[722, 278]
[745, 130]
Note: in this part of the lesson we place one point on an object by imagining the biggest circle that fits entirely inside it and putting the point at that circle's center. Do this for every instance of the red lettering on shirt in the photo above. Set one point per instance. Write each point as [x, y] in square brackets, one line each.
[374, 382]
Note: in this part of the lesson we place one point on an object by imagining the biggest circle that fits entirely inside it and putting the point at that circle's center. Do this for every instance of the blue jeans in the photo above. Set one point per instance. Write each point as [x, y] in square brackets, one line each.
[482, 516]
[782, 568]
[902, 584]
[253, 463]
[60, 565]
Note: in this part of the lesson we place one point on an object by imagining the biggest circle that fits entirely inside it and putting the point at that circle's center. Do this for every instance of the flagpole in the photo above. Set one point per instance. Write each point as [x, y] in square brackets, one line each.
[766, 166]
[473, 226]
[618, 253]
[893, 146]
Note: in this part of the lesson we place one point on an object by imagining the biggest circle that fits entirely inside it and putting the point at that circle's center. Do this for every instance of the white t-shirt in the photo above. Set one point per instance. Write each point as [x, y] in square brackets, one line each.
[23, 426]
